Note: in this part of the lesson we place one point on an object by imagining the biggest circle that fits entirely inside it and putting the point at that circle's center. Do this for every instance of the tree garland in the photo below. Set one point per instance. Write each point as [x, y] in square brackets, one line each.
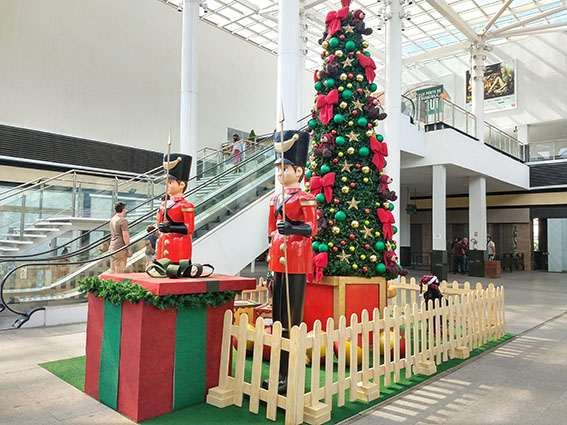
[118, 292]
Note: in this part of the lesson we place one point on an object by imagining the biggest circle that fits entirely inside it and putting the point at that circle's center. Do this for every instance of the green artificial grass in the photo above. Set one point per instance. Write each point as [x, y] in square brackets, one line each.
[73, 371]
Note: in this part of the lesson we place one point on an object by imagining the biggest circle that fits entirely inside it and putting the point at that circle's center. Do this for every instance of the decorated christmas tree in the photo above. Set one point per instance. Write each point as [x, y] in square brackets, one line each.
[347, 169]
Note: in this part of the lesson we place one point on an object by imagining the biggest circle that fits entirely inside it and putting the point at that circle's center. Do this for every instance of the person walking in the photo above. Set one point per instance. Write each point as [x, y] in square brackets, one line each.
[150, 243]
[237, 151]
[119, 238]
[491, 248]
[465, 267]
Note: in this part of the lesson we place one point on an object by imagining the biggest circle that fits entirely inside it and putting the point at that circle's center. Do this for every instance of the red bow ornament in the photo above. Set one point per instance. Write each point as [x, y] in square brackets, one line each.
[380, 153]
[369, 65]
[317, 184]
[334, 19]
[325, 104]
[387, 219]
[319, 263]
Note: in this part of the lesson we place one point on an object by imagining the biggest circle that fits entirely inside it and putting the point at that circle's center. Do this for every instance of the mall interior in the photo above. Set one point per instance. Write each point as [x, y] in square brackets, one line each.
[91, 92]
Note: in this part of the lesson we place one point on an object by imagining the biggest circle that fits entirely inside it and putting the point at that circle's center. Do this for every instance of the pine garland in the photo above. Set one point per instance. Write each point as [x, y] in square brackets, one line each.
[118, 292]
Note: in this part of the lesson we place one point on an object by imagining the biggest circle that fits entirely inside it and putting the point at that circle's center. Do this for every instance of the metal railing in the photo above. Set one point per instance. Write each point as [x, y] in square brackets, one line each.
[503, 142]
[547, 151]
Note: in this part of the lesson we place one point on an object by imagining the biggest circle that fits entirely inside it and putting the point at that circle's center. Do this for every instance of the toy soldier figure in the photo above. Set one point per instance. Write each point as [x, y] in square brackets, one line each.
[176, 224]
[299, 226]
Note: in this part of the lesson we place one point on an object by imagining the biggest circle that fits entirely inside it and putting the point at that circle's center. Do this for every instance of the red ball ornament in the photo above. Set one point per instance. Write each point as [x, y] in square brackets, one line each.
[357, 165]
[353, 185]
[322, 54]
[343, 243]
[342, 37]
[367, 211]
[351, 236]
[335, 160]
[350, 76]
[367, 246]
[370, 125]
[351, 53]
[365, 269]
[355, 112]
[337, 201]
[359, 90]
[334, 132]
[335, 248]
[331, 223]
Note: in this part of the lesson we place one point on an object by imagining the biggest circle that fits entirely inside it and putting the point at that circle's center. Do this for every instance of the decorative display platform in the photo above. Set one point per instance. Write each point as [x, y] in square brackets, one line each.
[145, 362]
[335, 296]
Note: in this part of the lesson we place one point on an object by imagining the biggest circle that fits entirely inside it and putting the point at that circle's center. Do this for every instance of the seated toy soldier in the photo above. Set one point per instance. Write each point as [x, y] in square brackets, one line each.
[176, 224]
[299, 226]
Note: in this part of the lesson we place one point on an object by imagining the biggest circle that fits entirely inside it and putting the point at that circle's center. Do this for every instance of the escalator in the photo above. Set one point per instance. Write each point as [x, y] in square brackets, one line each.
[228, 234]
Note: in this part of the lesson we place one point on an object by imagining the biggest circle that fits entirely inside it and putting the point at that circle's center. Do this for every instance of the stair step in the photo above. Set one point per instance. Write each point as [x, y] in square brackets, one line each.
[42, 229]
[16, 242]
[7, 249]
[53, 223]
[29, 235]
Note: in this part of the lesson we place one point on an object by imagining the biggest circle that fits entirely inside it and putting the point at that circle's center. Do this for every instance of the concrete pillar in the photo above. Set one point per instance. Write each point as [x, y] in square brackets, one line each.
[405, 228]
[393, 95]
[189, 81]
[477, 81]
[439, 222]
[289, 51]
[477, 225]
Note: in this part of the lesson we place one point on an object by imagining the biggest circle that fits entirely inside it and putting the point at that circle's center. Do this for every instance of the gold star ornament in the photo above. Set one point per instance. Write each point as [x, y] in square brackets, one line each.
[367, 232]
[353, 203]
[367, 93]
[357, 104]
[348, 28]
[346, 166]
[352, 136]
[347, 62]
[343, 256]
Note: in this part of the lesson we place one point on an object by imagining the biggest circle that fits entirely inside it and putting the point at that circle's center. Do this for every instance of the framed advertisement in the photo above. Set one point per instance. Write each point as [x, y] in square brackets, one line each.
[499, 86]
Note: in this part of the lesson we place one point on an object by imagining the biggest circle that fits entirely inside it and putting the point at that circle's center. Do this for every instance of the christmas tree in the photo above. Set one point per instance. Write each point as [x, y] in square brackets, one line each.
[346, 171]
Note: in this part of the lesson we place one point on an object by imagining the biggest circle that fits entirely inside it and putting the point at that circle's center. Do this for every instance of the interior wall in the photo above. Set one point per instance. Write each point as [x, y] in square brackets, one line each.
[109, 70]
[541, 62]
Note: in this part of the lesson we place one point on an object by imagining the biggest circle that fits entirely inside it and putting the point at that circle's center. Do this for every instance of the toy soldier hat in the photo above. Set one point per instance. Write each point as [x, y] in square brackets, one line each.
[295, 147]
[179, 166]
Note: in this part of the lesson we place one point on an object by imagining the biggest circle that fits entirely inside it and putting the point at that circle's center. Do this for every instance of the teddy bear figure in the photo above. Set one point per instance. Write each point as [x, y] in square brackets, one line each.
[331, 68]
[383, 189]
[392, 266]
[326, 146]
[358, 19]
[374, 110]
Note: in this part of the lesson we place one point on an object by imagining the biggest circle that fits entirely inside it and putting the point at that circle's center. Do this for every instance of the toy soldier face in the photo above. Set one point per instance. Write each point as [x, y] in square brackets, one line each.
[290, 175]
[175, 188]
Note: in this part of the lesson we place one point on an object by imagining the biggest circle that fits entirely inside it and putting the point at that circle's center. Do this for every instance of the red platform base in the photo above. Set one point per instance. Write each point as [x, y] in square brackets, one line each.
[146, 362]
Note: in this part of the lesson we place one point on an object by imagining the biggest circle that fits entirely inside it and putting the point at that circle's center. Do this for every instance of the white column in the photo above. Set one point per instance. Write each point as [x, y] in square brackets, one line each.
[289, 49]
[477, 212]
[189, 81]
[439, 213]
[477, 82]
[393, 95]
[301, 111]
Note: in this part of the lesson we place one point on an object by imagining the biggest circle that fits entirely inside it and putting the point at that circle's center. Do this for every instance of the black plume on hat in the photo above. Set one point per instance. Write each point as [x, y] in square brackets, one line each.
[295, 147]
[179, 166]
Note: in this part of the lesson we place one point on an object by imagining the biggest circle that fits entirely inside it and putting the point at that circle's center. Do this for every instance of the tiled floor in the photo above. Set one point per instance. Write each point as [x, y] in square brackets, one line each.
[522, 382]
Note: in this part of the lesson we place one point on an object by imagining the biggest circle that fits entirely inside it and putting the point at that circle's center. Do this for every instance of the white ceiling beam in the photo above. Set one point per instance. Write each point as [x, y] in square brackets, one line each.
[441, 52]
[313, 4]
[535, 17]
[249, 5]
[454, 18]
[558, 26]
[495, 17]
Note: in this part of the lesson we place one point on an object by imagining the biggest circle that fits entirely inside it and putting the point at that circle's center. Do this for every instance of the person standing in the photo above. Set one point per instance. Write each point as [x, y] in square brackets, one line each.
[119, 238]
[491, 248]
[150, 243]
[465, 268]
[237, 151]
[452, 254]
[457, 255]
[290, 239]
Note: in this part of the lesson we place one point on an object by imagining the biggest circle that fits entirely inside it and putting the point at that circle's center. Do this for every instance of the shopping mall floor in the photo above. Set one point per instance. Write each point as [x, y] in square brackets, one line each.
[521, 382]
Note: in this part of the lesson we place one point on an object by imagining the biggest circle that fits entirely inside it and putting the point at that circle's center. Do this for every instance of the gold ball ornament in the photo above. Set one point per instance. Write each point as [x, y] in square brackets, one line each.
[349, 86]
[345, 189]
[339, 53]
[351, 248]
[332, 210]
[373, 258]
[358, 52]
[343, 77]
[392, 291]
[366, 222]
[341, 89]
[363, 257]
[365, 180]
[377, 204]
[355, 267]
[354, 224]
[377, 234]
[350, 151]
[350, 123]
[331, 244]
[365, 169]
[343, 105]
[336, 230]
[370, 133]
[360, 78]
[326, 53]
[386, 205]
[306, 185]
[344, 179]
[340, 154]
[326, 44]
[364, 44]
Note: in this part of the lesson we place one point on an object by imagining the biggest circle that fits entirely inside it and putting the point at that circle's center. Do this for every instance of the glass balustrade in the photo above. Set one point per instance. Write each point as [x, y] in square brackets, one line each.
[548, 151]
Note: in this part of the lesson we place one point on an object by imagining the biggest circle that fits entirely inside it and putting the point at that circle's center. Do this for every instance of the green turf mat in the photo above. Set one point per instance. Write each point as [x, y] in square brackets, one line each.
[73, 372]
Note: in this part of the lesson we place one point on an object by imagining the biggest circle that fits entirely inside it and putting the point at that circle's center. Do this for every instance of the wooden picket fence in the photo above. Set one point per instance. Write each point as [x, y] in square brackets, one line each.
[468, 319]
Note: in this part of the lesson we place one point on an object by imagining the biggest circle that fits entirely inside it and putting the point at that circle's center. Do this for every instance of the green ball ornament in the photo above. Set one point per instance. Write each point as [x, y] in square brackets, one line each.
[381, 268]
[325, 169]
[373, 87]
[320, 198]
[379, 246]
[362, 122]
[367, 53]
[323, 247]
[338, 118]
[391, 207]
[330, 82]
[315, 245]
[318, 86]
[308, 174]
[340, 141]
[340, 216]
[350, 46]
[334, 42]
[312, 124]
[347, 94]
[395, 229]
[364, 151]
[379, 137]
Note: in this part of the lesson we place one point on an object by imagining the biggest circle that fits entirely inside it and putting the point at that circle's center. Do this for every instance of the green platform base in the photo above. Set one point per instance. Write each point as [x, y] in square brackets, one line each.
[72, 371]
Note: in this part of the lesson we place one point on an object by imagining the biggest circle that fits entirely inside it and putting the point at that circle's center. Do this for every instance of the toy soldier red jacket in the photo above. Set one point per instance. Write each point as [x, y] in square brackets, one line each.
[300, 210]
[179, 224]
